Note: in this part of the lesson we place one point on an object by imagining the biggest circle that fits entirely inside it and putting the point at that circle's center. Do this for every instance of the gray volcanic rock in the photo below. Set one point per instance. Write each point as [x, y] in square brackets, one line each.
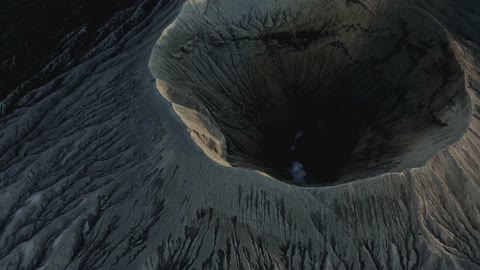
[98, 172]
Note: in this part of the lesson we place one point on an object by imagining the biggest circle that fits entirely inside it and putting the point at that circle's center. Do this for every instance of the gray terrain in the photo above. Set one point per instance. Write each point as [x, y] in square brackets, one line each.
[154, 148]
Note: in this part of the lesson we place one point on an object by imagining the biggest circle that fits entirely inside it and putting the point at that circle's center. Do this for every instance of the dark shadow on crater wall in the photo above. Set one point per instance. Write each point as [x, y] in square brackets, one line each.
[367, 119]
[319, 135]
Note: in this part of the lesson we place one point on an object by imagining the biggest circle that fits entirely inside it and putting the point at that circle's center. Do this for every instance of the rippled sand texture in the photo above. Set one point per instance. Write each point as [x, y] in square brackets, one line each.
[97, 171]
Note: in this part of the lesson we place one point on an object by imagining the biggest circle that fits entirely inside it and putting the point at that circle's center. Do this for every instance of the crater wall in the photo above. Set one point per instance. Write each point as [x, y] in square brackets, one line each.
[313, 92]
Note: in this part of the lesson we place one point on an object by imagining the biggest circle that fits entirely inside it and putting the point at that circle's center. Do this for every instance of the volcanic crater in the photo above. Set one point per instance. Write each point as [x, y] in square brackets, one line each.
[314, 96]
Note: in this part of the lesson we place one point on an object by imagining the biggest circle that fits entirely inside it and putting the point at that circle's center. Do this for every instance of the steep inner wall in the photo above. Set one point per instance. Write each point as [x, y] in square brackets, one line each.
[313, 93]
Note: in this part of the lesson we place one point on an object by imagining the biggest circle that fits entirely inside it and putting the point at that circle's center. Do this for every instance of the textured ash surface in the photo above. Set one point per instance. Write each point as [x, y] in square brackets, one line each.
[97, 172]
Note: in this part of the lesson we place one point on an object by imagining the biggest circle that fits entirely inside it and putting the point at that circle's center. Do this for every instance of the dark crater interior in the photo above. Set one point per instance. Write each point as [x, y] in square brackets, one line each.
[313, 144]
[330, 103]
[342, 115]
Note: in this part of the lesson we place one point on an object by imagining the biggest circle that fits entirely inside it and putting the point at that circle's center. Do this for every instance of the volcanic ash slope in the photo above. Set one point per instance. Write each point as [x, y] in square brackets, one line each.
[404, 195]
[98, 172]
